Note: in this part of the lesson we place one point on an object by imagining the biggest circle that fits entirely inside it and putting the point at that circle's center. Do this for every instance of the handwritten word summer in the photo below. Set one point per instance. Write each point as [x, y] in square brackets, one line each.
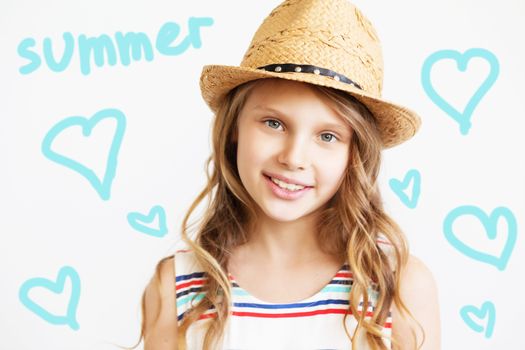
[103, 50]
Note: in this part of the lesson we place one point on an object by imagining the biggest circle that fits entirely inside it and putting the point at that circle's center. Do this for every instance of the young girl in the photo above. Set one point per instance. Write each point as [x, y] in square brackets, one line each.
[295, 250]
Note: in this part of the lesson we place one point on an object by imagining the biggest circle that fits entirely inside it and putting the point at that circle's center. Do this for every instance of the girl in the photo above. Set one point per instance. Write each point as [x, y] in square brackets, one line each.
[295, 250]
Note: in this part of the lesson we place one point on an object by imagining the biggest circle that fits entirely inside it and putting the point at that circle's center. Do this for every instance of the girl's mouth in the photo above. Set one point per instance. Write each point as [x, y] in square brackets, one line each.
[284, 193]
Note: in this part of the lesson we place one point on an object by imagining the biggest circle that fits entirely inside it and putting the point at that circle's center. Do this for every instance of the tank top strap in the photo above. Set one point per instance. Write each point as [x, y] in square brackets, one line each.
[384, 244]
[189, 279]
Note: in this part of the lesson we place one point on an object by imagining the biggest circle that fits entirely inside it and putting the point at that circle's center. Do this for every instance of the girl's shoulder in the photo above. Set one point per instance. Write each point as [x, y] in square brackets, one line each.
[185, 262]
[189, 280]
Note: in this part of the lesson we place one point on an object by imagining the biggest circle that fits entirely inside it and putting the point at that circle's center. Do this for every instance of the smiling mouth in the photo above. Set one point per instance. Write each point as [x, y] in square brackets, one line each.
[270, 178]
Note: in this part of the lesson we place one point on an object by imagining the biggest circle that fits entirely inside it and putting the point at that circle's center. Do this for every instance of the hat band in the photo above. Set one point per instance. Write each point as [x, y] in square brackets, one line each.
[306, 68]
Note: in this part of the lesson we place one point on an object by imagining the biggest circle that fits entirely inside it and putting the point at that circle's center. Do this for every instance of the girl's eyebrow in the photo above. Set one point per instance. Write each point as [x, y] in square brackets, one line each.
[340, 127]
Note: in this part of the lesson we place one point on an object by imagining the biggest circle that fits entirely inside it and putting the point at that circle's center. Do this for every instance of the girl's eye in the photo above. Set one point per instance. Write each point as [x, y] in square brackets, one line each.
[333, 136]
[274, 122]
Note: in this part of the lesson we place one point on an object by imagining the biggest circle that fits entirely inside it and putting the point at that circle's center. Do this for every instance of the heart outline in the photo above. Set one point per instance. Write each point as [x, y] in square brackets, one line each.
[490, 225]
[56, 287]
[398, 188]
[487, 308]
[462, 118]
[134, 219]
[103, 187]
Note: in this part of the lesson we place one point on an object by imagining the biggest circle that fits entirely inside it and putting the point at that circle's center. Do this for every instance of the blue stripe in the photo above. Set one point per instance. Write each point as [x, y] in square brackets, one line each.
[291, 306]
[190, 276]
[336, 289]
[186, 300]
[349, 282]
[188, 291]
[240, 292]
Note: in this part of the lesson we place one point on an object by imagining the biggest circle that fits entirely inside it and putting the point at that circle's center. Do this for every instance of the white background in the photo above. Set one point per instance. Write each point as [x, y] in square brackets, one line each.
[51, 216]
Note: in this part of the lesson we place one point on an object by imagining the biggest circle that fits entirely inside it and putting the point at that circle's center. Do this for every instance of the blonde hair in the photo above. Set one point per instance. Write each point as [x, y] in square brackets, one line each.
[349, 224]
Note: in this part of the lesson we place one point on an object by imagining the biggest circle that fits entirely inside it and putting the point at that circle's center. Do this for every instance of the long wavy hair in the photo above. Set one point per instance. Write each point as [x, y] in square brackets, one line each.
[348, 227]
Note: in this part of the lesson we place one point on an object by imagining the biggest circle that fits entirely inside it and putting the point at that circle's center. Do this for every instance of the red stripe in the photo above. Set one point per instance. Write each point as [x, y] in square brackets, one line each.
[212, 315]
[298, 314]
[291, 314]
[295, 314]
[344, 274]
[187, 284]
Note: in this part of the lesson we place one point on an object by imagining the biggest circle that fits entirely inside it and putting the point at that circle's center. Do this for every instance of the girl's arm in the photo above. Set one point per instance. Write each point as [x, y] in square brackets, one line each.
[160, 310]
[418, 291]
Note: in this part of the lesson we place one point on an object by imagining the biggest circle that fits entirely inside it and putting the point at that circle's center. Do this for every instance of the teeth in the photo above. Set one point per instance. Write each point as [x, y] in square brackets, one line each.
[286, 185]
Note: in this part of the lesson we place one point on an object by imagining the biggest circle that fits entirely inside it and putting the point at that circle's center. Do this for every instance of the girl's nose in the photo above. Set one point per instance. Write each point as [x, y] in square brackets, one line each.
[295, 153]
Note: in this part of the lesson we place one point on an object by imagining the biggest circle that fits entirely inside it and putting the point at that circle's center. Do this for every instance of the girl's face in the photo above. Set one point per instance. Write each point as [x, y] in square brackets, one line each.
[287, 129]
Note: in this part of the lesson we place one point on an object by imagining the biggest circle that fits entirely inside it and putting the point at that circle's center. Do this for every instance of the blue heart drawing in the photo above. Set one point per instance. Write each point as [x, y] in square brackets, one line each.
[103, 187]
[462, 118]
[56, 287]
[487, 311]
[136, 221]
[490, 224]
[412, 176]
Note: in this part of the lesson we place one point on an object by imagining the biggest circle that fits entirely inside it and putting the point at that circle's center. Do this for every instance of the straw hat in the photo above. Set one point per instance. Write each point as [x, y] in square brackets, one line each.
[323, 42]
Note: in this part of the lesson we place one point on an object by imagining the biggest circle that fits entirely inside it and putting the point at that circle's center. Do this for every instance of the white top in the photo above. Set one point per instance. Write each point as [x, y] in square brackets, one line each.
[312, 323]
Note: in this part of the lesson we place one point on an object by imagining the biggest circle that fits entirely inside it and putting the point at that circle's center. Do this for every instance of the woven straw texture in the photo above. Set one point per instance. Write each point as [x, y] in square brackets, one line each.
[332, 34]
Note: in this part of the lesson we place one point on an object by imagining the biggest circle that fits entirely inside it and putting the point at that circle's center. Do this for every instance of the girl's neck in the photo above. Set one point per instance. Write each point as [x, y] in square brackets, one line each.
[284, 243]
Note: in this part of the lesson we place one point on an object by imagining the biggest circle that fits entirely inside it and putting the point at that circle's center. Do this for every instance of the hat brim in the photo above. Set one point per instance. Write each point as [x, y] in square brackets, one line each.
[396, 123]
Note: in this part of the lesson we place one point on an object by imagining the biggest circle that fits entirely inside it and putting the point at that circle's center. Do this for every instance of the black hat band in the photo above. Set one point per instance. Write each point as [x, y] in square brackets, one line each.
[306, 68]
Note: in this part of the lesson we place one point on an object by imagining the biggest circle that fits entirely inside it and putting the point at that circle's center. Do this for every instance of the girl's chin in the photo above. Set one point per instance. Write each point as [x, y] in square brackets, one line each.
[283, 213]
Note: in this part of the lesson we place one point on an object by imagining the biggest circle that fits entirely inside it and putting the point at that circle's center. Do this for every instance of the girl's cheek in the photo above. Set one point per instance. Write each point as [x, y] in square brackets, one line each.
[333, 166]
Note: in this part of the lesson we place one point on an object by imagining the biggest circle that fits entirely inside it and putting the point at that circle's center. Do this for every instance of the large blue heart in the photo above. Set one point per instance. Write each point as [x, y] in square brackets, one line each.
[56, 287]
[490, 225]
[103, 187]
[462, 118]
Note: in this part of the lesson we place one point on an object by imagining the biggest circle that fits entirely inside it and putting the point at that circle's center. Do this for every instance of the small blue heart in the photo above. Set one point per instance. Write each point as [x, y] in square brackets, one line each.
[103, 187]
[487, 311]
[56, 287]
[136, 221]
[399, 188]
[490, 224]
[462, 118]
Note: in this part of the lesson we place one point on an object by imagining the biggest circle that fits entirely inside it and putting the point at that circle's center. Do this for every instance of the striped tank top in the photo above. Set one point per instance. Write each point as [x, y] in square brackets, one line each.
[312, 323]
